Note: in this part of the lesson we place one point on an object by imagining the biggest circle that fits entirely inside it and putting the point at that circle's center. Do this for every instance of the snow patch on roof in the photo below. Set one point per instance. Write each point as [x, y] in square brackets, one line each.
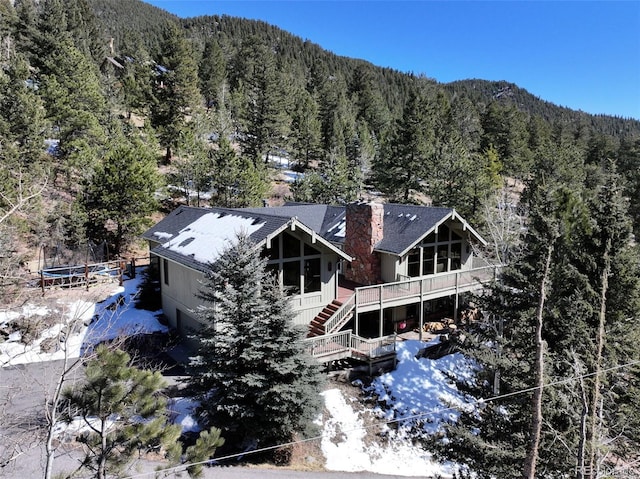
[342, 229]
[209, 235]
[162, 235]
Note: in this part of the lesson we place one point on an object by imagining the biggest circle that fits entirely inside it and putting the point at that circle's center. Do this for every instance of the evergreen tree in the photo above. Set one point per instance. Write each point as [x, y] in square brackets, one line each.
[256, 381]
[609, 248]
[559, 287]
[335, 182]
[262, 110]
[124, 412]
[235, 179]
[212, 73]
[26, 28]
[193, 167]
[368, 99]
[23, 116]
[505, 128]
[400, 168]
[75, 107]
[176, 91]
[305, 131]
[137, 79]
[8, 23]
[119, 197]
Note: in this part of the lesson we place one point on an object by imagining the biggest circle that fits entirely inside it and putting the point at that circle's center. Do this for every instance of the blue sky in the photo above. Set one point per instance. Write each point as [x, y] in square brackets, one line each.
[583, 55]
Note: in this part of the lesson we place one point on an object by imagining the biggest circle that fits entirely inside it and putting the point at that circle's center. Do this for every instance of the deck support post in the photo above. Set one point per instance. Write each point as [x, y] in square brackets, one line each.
[455, 303]
[356, 318]
[381, 315]
[421, 312]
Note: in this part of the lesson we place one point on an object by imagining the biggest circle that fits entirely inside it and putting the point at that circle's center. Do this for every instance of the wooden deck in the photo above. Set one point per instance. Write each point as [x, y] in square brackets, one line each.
[355, 299]
[345, 344]
[376, 297]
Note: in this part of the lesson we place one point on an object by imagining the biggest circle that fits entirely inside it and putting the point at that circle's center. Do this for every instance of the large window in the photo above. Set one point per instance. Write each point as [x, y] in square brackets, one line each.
[291, 276]
[413, 263]
[438, 253]
[297, 264]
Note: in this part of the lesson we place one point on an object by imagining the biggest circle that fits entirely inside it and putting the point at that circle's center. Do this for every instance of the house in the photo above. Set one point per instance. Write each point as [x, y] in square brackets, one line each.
[370, 270]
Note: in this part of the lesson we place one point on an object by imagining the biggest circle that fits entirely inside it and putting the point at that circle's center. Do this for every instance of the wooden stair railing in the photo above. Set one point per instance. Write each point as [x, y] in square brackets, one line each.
[332, 318]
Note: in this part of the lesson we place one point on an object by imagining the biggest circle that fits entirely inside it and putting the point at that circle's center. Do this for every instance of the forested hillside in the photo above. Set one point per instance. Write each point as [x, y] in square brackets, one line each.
[114, 111]
[220, 96]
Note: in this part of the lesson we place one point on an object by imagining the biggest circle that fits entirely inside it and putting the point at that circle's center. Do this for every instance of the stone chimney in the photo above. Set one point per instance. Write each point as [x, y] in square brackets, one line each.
[364, 230]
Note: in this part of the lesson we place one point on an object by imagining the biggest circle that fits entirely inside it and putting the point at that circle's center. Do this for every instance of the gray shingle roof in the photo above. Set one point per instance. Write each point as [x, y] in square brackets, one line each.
[190, 237]
[404, 226]
[178, 237]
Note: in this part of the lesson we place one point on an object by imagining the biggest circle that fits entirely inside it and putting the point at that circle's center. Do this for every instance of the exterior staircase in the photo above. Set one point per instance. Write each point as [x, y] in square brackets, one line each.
[317, 325]
[332, 318]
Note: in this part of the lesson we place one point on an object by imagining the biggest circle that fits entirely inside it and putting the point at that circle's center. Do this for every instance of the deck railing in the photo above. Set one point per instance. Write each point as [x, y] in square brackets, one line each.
[336, 345]
[341, 316]
[376, 294]
[373, 348]
[346, 344]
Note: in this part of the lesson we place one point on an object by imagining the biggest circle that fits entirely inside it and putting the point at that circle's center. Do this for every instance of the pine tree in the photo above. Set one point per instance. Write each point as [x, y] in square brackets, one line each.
[401, 166]
[137, 79]
[205, 447]
[212, 73]
[262, 100]
[505, 128]
[256, 381]
[537, 293]
[124, 412]
[75, 106]
[22, 124]
[305, 131]
[8, 23]
[26, 28]
[609, 248]
[236, 180]
[193, 167]
[176, 91]
[119, 197]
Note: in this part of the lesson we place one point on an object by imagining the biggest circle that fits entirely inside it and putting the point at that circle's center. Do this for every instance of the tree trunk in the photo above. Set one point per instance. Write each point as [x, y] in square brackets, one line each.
[52, 417]
[102, 461]
[536, 401]
[582, 444]
[592, 431]
[51, 407]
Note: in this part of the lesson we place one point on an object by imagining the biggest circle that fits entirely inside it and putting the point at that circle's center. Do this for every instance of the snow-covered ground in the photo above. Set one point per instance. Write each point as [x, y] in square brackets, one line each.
[85, 324]
[415, 388]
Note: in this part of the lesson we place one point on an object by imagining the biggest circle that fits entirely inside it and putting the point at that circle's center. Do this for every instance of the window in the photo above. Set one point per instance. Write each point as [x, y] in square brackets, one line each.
[298, 264]
[165, 267]
[312, 281]
[413, 263]
[291, 276]
[428, 254]
[443, 233]
[290, 246]
[456, 256]
[310, 250]
[443, 258]
[274, 251]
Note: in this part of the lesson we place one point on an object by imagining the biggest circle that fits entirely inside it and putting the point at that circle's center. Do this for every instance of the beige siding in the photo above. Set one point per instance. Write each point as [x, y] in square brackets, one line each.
[179, 293]
[184, 283]
[391, 267]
